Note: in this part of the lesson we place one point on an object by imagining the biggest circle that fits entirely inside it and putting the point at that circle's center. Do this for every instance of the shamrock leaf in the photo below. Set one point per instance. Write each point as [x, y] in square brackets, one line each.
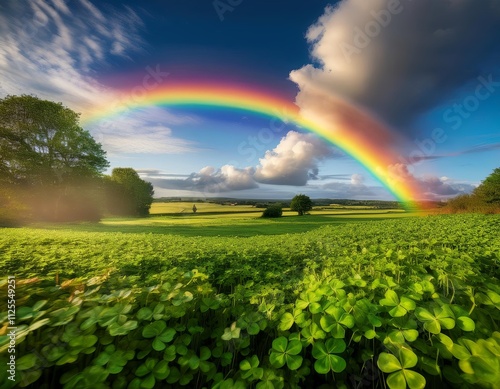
[284, 351]
[326, 359]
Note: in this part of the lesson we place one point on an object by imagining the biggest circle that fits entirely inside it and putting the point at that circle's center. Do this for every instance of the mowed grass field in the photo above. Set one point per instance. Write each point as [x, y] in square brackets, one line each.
[177, 218]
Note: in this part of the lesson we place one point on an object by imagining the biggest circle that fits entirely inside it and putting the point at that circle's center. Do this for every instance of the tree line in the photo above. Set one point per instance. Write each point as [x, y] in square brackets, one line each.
[51, 169]
[484, 199]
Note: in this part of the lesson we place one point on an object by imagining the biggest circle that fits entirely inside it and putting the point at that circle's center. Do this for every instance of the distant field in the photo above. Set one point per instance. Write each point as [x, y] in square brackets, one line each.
[187, 208]
[227, 220]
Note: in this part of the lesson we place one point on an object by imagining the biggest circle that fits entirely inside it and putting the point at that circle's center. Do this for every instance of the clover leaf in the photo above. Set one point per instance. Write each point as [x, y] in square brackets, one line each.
[161, 334]
[285, 351]
[400, 375]
[326, 359]
[399, 306]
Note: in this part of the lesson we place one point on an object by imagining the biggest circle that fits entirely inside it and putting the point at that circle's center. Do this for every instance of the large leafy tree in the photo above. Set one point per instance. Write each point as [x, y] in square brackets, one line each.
[42, 143]
[301, 204]
[47, 161]
[128, 194]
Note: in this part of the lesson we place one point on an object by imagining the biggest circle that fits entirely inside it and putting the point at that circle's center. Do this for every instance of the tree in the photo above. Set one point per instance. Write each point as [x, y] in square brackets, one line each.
[41, 143]
[273, 210]
[48, 160]
[128, 194]
[301, 204]
[489, 190]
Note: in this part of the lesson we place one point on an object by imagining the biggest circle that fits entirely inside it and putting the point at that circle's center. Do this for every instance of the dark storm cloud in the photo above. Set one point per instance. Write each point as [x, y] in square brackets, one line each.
[399, 58]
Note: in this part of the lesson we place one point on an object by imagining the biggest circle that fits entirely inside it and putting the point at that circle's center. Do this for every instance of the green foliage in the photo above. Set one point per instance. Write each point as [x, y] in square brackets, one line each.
[273, 210]
[286, 352]
[301, 204]
[489, 190]
[42, 143]
[326, 358]
[128, 194]
[407, 303]
[48, 163]
[484, 199]
[400, 376]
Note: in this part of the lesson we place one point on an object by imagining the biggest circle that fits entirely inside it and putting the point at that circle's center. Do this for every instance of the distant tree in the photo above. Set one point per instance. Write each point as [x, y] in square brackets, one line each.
[128, 194]
[489, 190]
[273, 210]
[48, 160]
[301, 204]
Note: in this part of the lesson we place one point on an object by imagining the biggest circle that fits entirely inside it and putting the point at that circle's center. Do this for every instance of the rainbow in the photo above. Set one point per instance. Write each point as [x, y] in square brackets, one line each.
[364, 146]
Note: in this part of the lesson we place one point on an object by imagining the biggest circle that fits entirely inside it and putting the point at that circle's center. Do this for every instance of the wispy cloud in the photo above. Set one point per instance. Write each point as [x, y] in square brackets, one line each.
[482, 148]
[51, 48]
[145, 131]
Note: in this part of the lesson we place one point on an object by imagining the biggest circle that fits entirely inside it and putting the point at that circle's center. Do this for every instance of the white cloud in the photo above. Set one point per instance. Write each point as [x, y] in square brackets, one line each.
[357, 179]
[50, 49]
[61, 6]
[397, 58]
[209, 181]
[144, 131]
[294, 161]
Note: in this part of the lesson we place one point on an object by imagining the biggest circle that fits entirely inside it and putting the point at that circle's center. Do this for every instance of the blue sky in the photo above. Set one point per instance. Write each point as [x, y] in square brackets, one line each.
[428, 70]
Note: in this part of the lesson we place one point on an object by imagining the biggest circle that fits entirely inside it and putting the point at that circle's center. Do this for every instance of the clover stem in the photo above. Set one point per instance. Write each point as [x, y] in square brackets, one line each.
[473, 306]
[453, 292]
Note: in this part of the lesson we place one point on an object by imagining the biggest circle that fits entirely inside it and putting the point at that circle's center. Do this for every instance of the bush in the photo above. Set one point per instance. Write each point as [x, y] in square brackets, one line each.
[274, 210]
[470, 203]
[484, 199]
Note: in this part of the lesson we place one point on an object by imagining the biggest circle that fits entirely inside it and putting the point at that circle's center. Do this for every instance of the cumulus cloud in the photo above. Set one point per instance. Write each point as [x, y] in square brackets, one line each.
[397, 58]
[294, 161]
[49, 49]
[210, 180]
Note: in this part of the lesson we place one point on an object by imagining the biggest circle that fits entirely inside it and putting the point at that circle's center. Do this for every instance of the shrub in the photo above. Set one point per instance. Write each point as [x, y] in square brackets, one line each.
[273, 210]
